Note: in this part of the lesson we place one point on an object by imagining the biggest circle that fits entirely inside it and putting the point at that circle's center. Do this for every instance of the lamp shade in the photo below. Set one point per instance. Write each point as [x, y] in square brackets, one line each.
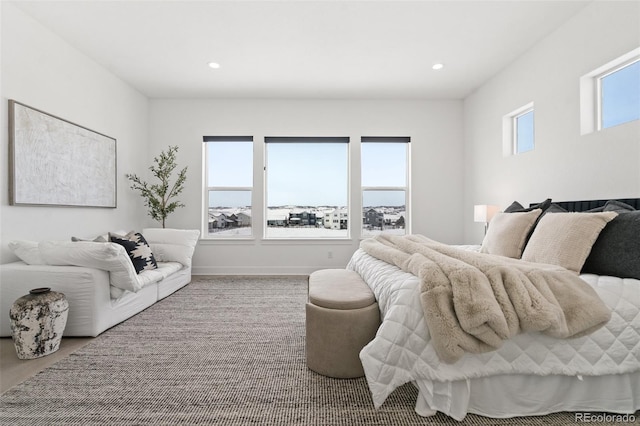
[484, 213]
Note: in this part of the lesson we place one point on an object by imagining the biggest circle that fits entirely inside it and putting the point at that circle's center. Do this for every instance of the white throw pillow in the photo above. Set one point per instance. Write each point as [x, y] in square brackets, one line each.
[109, 257]
[565, 239]
[27, 251]
[172, 245]
[507, 233]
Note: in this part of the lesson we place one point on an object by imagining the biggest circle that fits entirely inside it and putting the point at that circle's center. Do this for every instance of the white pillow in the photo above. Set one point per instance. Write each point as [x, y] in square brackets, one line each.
[109, 257]
[508, 232]
[27, 251]
[172, 245]
[566, 239]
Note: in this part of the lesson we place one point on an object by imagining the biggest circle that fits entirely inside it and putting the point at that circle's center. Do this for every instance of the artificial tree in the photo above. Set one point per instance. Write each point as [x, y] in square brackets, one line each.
[157, 196]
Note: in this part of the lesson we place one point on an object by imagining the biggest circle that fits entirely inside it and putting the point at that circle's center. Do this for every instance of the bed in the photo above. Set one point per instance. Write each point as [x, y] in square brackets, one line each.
[532, 372]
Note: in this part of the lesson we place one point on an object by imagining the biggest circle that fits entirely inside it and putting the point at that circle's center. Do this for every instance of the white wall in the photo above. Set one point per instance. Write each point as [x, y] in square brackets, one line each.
[41, 70]
[564, 165]
[436, 137]
[454, 166]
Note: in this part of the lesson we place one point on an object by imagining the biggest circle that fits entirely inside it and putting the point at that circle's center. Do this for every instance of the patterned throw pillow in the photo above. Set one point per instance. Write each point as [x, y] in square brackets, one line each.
[138, 250]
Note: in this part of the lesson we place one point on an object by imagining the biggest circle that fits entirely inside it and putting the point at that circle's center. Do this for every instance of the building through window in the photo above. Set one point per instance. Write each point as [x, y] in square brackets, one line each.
[228, 186]
[307, 187]
[385, 185]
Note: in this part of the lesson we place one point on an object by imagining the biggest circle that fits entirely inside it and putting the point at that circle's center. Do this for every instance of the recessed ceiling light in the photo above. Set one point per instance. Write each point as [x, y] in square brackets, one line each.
[438, 66]
[214, 65]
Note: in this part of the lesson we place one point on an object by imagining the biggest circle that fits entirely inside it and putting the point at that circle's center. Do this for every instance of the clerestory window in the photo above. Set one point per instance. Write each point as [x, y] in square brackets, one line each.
[518, 131]
[610, 94]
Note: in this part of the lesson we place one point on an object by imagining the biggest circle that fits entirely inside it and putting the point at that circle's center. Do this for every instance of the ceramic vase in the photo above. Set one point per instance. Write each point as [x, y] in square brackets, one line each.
[38, 320]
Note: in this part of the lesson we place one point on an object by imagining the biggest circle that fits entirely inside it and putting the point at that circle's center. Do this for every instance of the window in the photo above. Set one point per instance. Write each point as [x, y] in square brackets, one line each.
[523, 132]
[620, 95]
[385, 187]
[610, 94]
[518, 131]
[229, 186]
[307, 187]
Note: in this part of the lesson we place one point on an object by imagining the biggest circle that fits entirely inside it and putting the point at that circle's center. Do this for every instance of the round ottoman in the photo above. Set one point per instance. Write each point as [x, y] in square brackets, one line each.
[342, 316]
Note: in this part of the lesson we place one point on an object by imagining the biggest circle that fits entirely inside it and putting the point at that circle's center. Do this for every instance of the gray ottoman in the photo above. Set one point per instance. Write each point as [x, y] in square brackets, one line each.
[342, 317]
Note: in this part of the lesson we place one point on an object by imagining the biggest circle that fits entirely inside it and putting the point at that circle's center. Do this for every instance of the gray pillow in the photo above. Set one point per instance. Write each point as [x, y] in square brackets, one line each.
[616, 252]
[554, 208]
[99, 239]
[617, 206]
[516, 207]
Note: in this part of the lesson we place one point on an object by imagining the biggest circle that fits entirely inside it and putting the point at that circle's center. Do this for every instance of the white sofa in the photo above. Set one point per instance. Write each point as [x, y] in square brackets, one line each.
[98, 278]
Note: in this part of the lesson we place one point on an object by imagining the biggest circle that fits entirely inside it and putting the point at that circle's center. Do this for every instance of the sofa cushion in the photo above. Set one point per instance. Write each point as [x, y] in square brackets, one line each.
[168, 268]
[149, 276]
[27, 251]
[172, 245]
[109, 257]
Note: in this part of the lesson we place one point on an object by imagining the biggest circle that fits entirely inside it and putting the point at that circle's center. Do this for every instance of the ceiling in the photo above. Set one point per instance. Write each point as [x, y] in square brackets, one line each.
[303, 49]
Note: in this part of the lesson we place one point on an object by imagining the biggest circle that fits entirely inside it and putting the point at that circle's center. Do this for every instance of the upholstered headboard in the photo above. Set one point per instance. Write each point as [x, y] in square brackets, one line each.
[581, 206]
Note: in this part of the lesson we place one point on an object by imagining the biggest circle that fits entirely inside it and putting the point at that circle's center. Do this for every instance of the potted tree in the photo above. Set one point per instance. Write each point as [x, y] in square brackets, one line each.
[158, 196]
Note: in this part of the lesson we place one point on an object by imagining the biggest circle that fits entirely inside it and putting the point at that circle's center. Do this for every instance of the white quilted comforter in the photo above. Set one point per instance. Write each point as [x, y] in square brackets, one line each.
[402, 351]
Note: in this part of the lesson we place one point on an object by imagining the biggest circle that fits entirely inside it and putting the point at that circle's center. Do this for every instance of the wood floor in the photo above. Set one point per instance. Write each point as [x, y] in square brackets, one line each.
[14, 371]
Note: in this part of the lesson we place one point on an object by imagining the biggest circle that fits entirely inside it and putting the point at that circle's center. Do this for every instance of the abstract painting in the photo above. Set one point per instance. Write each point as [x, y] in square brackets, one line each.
[53, 161]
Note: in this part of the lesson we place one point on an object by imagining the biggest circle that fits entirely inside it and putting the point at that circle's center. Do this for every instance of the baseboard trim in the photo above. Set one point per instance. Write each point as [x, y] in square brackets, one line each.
[256, 270]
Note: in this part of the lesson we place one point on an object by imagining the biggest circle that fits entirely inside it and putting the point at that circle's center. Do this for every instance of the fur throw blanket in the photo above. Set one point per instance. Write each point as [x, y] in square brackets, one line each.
[473, 301]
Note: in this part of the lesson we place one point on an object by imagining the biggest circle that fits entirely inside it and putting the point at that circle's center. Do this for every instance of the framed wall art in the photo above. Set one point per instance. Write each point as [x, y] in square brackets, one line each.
[54, 162]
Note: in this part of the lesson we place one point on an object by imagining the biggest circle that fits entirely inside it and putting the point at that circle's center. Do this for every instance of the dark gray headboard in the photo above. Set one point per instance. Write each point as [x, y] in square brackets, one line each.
[581, 206]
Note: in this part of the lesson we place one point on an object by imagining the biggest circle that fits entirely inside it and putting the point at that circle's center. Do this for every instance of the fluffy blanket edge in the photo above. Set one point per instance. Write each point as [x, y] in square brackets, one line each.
[473, 302]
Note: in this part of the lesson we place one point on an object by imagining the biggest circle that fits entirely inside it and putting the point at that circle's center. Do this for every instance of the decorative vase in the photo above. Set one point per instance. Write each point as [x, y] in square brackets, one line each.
[38, 320]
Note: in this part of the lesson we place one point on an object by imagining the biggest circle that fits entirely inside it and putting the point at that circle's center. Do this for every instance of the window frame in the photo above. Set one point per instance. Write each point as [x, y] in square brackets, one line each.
[599, 93]
[510, 130]
[306, 139]
[590, 92]
[407, 188]
[516, 141]
[207, 188]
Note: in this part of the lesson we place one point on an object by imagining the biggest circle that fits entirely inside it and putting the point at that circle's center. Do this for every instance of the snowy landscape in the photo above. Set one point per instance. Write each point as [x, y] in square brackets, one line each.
[305, 221]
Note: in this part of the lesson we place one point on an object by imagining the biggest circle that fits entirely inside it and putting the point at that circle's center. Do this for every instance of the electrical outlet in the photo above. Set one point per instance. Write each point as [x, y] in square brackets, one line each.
[329, 255]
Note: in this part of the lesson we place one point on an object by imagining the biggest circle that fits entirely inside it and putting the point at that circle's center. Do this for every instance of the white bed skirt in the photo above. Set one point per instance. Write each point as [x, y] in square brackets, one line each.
[528, 395]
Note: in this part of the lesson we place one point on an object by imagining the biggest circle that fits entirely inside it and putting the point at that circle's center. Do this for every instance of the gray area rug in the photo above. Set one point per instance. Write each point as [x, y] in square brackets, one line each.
[223, 350]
